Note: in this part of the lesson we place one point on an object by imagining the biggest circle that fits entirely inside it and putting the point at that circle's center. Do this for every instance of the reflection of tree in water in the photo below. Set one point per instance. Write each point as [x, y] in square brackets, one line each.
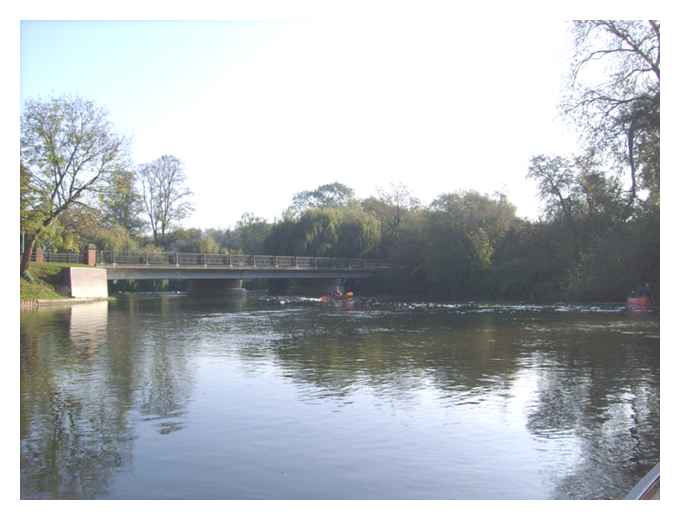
[394, 357]
[74, 430]
[162, 380]
[166, 378]
[604, 391]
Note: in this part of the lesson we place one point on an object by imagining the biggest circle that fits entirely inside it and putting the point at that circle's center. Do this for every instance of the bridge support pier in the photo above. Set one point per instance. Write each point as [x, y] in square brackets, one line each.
[216, 287]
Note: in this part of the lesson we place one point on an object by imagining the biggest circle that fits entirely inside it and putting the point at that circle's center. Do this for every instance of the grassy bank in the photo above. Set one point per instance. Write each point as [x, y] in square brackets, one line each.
[45, 277]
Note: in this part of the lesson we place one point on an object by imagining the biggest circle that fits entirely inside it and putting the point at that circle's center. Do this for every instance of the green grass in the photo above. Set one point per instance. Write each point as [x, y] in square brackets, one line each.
[46, 277]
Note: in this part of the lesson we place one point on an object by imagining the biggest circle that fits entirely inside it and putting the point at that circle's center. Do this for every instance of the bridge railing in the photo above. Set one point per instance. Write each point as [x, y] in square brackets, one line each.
[237, 261]
[62, 258]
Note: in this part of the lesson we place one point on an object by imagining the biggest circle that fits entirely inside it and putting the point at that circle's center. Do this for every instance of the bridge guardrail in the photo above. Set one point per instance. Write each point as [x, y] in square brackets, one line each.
[237, 261]
[62, 258]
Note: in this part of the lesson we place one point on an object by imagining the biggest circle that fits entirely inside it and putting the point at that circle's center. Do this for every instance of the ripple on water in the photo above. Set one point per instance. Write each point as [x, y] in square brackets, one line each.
[373, 401]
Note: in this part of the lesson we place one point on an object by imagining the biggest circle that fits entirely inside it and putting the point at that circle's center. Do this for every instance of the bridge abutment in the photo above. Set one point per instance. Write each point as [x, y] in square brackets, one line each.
[85, 282]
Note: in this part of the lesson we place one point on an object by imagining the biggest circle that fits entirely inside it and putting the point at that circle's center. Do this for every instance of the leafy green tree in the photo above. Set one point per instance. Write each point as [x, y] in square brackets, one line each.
[208, 245]
[85, 225]
[341, 232]
[358, 233]
[462, 231]
[227, 240]
[285, 238]
[332, 195]
[390, 207]
[252, 232]
[68, 148]
[121, 203]
[183, 240]
[191, 240]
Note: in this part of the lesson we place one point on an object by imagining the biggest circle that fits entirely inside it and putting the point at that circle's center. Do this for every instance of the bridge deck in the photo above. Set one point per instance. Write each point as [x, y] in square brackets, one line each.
[188, 266]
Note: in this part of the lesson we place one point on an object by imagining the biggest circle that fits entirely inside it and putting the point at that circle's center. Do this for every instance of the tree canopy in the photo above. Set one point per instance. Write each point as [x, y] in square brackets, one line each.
[332, 195]
[68, 148]
[614, 97]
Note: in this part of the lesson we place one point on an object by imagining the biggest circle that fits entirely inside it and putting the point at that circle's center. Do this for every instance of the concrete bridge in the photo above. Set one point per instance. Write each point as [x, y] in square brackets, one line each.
[198, 266]
[207, 272]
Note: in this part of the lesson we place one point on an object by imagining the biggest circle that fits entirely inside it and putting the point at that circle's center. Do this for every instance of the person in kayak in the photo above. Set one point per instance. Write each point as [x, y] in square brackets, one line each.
[645, 291]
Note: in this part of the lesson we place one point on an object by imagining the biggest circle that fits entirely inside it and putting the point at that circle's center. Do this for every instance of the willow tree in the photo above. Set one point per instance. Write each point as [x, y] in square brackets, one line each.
[68, 148]
[334, 195]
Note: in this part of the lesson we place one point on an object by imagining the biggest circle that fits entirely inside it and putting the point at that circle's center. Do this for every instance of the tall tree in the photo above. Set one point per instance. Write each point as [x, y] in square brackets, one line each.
[165, 195]
[68, 148]
[614, 96]
[556, 181]
[121, 203]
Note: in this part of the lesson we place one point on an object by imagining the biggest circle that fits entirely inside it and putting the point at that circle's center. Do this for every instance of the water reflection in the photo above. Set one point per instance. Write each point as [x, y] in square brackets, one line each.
[167, 380]
[87, 327]
[607, 400]
[75, 433]
[396, 359]
[196, 395]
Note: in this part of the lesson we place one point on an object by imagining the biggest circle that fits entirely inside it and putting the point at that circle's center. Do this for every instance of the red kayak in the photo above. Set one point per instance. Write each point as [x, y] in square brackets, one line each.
[343, 297]
[641, 303]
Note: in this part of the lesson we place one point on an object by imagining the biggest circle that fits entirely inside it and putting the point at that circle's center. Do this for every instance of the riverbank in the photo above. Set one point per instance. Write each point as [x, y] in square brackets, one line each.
[45, 287]
[43, 282]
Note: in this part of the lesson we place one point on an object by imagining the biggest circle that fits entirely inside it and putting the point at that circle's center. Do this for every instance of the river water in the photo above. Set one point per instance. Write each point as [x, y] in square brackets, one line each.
[287, 398]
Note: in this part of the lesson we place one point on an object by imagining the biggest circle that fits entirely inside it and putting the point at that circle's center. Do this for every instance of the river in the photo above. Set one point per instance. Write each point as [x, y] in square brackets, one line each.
[286, 398]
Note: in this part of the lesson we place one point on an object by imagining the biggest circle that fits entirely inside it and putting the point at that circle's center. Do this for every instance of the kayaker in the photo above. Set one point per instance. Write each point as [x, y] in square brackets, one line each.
[645, 291]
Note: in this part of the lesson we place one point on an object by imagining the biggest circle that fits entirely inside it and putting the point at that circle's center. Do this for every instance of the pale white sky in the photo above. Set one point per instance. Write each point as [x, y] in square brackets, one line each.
[258, 111]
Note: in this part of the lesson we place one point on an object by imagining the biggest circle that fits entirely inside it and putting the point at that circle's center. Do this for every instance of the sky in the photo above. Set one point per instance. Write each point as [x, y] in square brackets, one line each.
[258, 111]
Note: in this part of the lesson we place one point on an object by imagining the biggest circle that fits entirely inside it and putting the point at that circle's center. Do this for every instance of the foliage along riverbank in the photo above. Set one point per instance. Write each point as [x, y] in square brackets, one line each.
[42, 282]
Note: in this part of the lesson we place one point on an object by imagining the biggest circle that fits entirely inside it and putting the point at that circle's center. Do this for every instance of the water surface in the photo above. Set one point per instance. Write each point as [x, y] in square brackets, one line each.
[277, 398]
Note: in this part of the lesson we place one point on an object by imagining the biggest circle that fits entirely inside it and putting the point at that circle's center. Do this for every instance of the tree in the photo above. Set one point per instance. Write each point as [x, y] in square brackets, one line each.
[208, 245]
[121, 203]
[556, 181]
[619, 116]
[164, 194]
[343, 232]
[252, 232]
[332, 195]
[390, 207]
[82, 225]
[68, 148]
[462, 232]
[358, 233]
